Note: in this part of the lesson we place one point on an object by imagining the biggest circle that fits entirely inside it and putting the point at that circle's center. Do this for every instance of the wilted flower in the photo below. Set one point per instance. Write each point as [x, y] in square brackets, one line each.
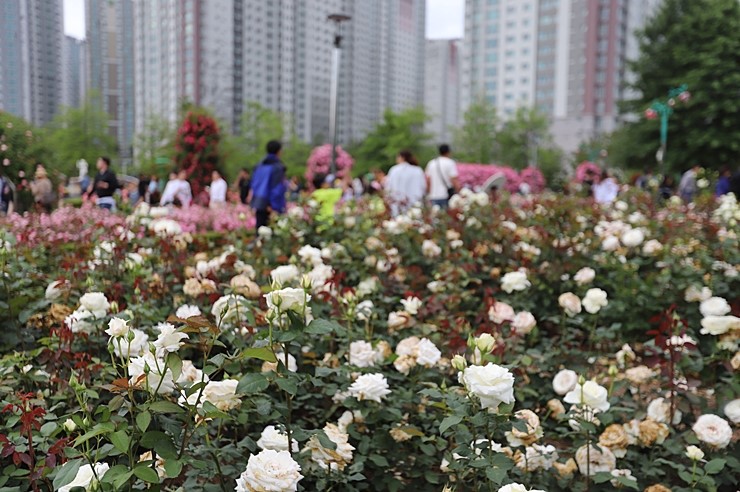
[331, 459]
[615, 438]
[594, 460]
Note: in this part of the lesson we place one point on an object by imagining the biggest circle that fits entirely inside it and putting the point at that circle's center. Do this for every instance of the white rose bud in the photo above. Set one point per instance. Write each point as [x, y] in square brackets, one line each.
[694, 453]
[459, 362]
[485, 343]
[69, 425]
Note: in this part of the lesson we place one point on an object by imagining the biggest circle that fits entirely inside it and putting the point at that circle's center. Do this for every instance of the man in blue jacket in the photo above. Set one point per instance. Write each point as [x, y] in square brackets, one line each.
[268, 185]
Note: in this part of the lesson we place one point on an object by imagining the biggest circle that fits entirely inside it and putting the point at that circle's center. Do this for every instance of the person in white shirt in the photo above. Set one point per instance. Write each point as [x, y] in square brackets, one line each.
[218, 190]
[442, 177]
[405, 185]
[606, 190]
[168, 195]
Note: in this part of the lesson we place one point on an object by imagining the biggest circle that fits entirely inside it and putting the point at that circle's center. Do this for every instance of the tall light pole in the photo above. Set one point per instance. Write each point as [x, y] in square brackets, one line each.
[664, 109]
[333, 97]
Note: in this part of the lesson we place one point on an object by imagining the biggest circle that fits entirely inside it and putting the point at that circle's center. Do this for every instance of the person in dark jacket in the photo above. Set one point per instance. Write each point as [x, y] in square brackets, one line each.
[244, 184]
[268, 188]
[105, 184]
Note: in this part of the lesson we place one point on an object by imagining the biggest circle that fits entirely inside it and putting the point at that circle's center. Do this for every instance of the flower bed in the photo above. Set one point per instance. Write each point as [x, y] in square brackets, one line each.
[553, 345]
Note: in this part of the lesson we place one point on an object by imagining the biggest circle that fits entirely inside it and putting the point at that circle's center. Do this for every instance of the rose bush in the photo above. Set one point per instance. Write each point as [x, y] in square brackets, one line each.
[500, 346]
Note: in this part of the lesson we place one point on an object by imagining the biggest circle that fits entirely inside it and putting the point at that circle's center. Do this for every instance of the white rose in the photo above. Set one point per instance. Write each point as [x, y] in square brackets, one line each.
[714, 306]
[85, 477]
[169, 340]
[500, 312]
[622, 473]
[633, 237]
[367, 286]
[595, 460]
[276, 440]
[430, 249]
[190, 374]
[146, 371]
[693, 294]
[229, 310]
[284, 274]
[364, 310]
[187, 311]
[370, 387]
[491, 383]
[514, 281]
[80, 321]
[222, 394]
[54, 290]
[264, 232]
[590, 394]
[719, 325]
[427, 353]
[594, 300]
[610, 243]
[652, 247]
[570, 303]
[713, 430]
[411, 305]
[288, 299]
[117, 327]
[513, 487]
[96, 303]
[659, 410]
[564, 381]
[309, 254]
[136, 347]
[694, 453]
[523, 323]
[584, 276]
[362, 354]
[270, 471]
[732, 411]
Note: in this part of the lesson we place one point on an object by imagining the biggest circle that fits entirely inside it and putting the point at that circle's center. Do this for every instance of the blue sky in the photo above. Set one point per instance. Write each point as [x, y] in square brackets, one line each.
[444, 18]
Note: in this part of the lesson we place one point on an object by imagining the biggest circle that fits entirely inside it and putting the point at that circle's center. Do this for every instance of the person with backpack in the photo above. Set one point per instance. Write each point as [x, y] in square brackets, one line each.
[442, 176]
[267, 193]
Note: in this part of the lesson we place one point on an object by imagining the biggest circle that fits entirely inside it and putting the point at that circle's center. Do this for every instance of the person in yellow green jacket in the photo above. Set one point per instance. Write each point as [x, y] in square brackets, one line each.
[327, 195]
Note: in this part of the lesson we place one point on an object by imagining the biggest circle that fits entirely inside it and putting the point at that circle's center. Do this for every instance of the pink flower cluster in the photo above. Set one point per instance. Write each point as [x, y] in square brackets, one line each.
[587, 169]
[230, 217]
[66, 225]
[475, 176]
[319, 162]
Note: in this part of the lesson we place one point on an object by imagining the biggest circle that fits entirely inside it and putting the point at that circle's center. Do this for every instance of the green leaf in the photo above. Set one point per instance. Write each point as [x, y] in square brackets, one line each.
[173, 468]
[143, 420]
[66, 473]
[287, 384]
[117, 475]
[161, 443]
[261, 353]
[48, 429]
[323, 327]
[145, 473]
[103, 428]
[325, 441]
[379, 460]
[175, 364]
[714, 466]
[448, 422]
[120, 440]
[252, 383]
[602, 477]
[496, 475]
[164, 406]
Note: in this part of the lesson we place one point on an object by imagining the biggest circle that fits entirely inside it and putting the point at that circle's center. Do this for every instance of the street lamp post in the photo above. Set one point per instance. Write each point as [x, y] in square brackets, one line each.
[664, 109]
[333, 96]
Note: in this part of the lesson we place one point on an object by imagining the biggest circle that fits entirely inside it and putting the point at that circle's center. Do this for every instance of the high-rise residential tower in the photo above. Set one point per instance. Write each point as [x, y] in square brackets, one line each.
[442, 87]
[74, 71]
[31, 37]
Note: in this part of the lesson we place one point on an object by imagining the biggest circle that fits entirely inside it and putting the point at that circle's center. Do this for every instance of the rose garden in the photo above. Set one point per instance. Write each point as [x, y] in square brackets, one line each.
[540, 343]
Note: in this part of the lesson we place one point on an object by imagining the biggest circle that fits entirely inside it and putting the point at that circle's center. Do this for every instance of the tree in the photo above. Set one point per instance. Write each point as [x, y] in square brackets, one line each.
[21, 145]
[397, 131]
[523, 139]
[153, 143]
[475, 141]
[79, 133]
[693, 42]
[197, 149]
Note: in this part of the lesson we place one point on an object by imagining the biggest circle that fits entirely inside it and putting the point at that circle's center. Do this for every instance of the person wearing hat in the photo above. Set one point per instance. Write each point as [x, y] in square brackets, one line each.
[42, 190]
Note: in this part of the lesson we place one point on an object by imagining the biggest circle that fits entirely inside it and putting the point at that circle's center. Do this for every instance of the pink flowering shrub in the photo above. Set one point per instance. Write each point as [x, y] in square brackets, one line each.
[201, 219]
[586, 169]
[319, 162]
[534, 178]
[475, 175]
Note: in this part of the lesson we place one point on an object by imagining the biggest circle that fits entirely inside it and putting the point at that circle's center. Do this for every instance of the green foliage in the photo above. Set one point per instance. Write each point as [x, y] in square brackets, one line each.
[20, 144]
[397, 131]
[528, 131]
[258, 126]
[691, 42]
[155, 143]
[79, 133]
[476, 140]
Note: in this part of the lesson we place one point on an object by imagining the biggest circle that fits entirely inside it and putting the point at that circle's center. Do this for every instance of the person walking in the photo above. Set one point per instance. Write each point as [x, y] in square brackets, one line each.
[442, 177]
[42, 189]
[687, 186]
[724, 183]
[217, 191]
[268, 185]
[244, 184]
[6, 196]
[406, 184]
[104, 185]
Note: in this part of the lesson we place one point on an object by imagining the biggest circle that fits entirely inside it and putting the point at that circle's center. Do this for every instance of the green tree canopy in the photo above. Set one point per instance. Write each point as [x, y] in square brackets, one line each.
[525, 138]
[476, 139]
[693, 42]
[79, 133]
[21, 145]
[155, 143]
[397, 131]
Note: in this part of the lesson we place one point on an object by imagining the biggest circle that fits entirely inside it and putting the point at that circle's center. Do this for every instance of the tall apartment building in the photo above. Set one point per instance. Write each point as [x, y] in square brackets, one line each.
[110, 66]
[442, 86]
[74, 72]
[567, 57]
[278, 54]
[31, 37]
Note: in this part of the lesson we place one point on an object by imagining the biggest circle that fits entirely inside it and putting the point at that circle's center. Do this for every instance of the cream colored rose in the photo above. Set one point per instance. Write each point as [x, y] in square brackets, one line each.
[570, 303]
[584, 276]
[362, 354]
[411, 305]
[714, 306]
[719, 325]
[615, 438]
[270, 471]
[594, 300]
[430, 249]
[117, 327]
[652, 247]
[633, 237]
[331, 459]
[514, 281]
[272, 438]
[284, 274]
[287, 299]
[639, 374]
[694, 453]
[187, 311]
[398, 320]
[732, 411]
[713, 430]
[427, 353]
[694, 294]
[523, 323]
[96, 303]
[564, 381]
[500, 312]
[659, 410]
[491, 383]
[280, 356]
[244, 285]
[192, 287]
[595, 460]
[610, 243]
[591, 394]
